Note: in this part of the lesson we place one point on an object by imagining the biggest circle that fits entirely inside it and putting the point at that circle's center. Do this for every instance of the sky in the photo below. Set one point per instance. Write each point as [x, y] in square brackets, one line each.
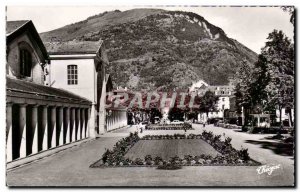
[249, 25]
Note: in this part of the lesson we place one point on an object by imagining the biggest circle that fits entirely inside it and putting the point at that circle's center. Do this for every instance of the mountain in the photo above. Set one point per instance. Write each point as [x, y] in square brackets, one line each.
[154, 48]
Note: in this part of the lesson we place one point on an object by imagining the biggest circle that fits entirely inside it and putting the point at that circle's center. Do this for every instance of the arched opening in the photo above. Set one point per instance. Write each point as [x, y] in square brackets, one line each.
[25, 59]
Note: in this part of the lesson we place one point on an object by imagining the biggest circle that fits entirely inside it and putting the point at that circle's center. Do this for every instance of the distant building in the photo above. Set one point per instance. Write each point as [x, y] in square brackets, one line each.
[224, 92]
[197, 86]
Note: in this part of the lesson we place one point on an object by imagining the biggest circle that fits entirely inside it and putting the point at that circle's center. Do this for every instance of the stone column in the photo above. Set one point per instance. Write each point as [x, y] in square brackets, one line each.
[112, 117]
[122, 118]
[23, 130]
[68, 124]
[83, 123]
[9, 146]
[44, 127]
[102, 111]
[73, 132]
[117, 119]
[91, 118]
[78, 116]
[107, 122]
[34, 122]
[60, 125]
[87, 128]
[53, 126]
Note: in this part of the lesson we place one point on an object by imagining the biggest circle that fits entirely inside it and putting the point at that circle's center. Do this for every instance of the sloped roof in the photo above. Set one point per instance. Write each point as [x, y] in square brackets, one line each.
[17, 87]
[12, 26]
[73, 47]
[17, 28]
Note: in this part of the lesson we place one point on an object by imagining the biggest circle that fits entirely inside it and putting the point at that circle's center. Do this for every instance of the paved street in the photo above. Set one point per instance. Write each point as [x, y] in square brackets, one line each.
[71, 167]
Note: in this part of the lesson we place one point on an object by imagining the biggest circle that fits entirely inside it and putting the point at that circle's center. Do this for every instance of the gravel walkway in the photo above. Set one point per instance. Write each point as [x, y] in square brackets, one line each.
[71, 168]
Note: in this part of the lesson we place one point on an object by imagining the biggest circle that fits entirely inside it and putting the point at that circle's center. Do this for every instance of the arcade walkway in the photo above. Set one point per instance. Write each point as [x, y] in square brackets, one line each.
[71, 167]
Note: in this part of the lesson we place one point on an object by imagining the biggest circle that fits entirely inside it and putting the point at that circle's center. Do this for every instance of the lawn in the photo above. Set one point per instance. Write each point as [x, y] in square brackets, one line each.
[170, 148]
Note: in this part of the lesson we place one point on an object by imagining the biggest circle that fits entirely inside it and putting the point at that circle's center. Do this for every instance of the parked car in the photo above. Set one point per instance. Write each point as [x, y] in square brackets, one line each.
[177, 122]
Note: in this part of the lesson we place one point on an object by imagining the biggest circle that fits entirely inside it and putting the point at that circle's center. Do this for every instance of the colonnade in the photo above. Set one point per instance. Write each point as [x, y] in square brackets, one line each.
[31, 129]
[117, 119]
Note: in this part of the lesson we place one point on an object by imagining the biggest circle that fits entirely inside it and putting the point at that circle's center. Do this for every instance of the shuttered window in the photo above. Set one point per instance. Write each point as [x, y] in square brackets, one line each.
[72, 75]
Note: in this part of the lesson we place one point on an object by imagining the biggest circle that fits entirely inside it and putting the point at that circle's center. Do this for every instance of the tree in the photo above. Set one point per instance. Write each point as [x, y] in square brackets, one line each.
[291, 11]
[176, 114]
[279, 56]
[208, 102]
[244, 90]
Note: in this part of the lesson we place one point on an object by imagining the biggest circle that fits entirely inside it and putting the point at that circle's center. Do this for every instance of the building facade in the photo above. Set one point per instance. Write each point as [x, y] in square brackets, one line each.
[38, 117]
[82, 72]
[224, 92]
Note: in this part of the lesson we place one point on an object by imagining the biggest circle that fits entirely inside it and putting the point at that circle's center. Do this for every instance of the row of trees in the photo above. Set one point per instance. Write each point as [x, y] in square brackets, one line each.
[204, 104]
[208, 102]
[269, 84]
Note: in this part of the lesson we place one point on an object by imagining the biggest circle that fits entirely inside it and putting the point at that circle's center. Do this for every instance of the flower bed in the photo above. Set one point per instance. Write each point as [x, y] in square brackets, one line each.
[228, 126]
[184, 126]
[229, 155]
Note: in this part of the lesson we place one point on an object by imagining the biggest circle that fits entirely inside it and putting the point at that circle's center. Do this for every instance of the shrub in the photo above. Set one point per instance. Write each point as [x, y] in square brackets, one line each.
[148, 158]
[139, 161]
[157, 159]
[228, 140]
[216, 138]
[243, 154]
[169, 166]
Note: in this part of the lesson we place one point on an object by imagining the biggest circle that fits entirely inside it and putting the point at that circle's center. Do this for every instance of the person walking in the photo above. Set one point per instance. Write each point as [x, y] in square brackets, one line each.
[141, 129]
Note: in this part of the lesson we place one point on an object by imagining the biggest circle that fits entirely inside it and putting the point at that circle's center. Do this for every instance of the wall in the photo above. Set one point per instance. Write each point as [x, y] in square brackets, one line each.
[86, 77]
[13, 61]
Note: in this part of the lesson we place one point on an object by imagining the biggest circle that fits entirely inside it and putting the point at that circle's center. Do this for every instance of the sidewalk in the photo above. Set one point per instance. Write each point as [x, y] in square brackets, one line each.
[71, 167]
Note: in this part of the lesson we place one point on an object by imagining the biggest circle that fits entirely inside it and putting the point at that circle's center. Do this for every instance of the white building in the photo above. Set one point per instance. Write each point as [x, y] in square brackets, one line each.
[196, 86]
[53, 100]
[79, 67]
[224, 92]
[38, 117]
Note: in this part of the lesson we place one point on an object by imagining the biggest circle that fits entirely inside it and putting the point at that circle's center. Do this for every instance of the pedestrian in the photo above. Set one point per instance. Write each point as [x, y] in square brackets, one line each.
[141, 128]
[203, 124]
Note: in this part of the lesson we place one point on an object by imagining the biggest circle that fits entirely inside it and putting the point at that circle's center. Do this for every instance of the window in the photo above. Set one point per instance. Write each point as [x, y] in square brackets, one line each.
[223, 107]
[25, 63]
[72, 75]
[223, 99]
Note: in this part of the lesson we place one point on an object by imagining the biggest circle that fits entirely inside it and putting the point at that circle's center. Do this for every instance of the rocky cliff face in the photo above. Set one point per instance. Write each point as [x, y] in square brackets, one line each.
[152, 48]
